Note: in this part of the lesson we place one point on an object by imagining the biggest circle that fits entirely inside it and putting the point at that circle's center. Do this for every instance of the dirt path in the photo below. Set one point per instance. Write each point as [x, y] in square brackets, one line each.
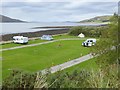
[30, 45]
[67, 64]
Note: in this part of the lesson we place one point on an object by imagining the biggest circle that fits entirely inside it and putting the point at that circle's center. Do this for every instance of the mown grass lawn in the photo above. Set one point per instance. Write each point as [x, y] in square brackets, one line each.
[43, 56]
[62, 36]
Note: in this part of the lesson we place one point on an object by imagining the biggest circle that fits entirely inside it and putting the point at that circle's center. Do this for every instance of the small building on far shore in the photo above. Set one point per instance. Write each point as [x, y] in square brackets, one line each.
[81, 35]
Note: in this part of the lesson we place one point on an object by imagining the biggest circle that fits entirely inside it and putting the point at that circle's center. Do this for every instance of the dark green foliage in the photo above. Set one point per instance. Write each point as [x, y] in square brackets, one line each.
[106, 47]
[66, 80]
[88, 31]
[19, 79]
[76, 31]
[106, 78]
[108, 51]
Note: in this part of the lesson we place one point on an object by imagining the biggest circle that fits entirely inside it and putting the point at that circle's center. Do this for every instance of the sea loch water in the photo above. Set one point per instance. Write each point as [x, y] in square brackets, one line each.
[9, 28]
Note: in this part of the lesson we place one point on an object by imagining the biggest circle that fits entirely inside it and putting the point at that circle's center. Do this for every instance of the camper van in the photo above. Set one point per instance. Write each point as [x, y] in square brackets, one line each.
[46, 37]
[20, 39]
[89, 42]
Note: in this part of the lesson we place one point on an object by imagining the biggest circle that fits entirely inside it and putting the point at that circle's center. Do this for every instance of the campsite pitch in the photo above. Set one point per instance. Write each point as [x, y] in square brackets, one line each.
[43, 56]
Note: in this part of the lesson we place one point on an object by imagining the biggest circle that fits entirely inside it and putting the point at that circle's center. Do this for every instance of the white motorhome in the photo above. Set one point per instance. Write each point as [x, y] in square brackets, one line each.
[89, 42]
[20, 39]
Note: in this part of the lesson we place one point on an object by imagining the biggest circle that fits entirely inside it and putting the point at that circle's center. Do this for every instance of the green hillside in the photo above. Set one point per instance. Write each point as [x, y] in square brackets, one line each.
[99, 19]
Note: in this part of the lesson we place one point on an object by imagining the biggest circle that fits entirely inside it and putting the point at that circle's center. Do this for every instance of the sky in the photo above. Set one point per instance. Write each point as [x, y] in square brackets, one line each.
[57, 10]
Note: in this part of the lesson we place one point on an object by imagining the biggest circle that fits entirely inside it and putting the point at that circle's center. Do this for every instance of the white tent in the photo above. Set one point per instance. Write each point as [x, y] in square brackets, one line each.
[81, 35]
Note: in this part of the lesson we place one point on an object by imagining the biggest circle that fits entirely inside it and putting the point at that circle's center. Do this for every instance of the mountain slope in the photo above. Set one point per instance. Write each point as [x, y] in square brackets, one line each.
[8, 19]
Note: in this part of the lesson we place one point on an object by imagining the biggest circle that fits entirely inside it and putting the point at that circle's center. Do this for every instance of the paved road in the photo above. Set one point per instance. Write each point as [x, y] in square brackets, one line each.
[67, 64]
[30, 45]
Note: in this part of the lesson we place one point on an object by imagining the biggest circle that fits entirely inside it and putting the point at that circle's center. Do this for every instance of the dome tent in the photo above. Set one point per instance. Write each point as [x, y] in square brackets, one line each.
[81, 35]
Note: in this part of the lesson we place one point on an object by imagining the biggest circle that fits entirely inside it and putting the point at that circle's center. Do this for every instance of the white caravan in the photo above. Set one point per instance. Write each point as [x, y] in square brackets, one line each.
[20, 39]
[89, 42]
[46, 37]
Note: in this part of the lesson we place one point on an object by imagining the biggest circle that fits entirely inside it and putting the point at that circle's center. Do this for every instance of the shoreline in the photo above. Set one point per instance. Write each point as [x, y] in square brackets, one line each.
[59, 27]
[8, 37]
[58, 30]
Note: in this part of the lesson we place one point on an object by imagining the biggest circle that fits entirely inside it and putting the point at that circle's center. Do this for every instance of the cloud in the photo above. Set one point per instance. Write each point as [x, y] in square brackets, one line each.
[57, 11]
[29, 1]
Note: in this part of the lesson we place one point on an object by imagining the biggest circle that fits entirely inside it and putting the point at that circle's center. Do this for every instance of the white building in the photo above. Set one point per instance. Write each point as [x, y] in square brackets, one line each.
[20, 39]
[81, 35]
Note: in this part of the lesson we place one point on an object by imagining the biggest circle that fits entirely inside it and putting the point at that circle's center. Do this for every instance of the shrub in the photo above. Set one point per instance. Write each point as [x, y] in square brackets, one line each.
[88, 31]
[76, 31]
[19, 79]
[107, 78]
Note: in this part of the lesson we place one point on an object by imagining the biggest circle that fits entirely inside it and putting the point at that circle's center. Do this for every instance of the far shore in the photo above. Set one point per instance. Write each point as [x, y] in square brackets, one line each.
[58, 27]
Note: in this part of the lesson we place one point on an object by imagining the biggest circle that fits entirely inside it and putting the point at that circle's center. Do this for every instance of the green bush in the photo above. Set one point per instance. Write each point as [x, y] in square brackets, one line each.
[107, 78]
[76, 31]
[67, 80]
[19, 79]
[88, 31]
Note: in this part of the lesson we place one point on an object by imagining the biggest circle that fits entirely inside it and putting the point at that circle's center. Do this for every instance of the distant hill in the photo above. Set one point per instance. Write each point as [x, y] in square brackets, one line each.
[99, 19]
[8, 19]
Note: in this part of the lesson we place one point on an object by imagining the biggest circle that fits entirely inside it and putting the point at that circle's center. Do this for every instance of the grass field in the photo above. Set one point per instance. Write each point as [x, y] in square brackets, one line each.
[43, 56]
[8, 45]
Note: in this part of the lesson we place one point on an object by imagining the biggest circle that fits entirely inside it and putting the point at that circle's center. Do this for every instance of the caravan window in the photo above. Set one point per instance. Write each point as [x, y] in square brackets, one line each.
[88, 41]
[91, 40]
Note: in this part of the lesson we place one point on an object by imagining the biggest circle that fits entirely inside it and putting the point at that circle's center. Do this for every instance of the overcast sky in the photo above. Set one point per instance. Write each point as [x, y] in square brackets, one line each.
[54, 10]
